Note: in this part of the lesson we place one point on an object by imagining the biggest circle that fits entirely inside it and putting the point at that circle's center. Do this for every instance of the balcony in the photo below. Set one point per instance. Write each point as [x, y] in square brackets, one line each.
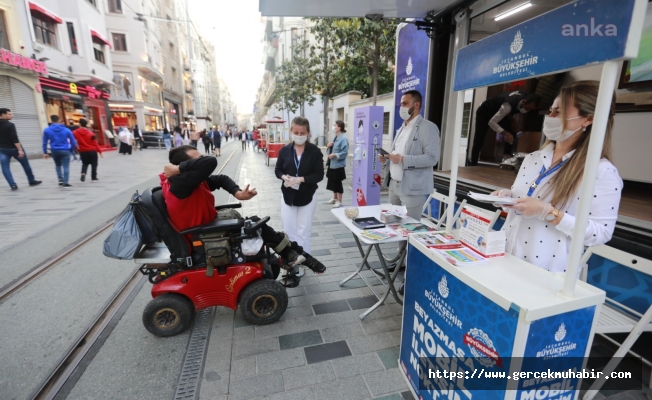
[270, 94]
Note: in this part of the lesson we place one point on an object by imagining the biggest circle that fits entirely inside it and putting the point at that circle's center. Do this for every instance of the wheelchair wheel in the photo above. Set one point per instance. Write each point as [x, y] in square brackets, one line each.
[263, 301]
[168, 315]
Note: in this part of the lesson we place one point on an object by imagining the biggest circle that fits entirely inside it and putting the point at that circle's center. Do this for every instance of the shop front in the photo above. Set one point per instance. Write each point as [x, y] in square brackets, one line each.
[153, 119]
[123, 115]
[172, 110]
[71, 102]
[20, 92]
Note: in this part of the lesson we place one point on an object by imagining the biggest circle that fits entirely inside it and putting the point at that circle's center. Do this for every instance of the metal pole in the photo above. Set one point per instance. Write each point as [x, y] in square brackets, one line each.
[602, 107]
[455, 156]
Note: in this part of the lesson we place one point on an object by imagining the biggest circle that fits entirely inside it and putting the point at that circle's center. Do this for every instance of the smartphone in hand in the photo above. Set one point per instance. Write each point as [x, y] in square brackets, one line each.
[382, 151]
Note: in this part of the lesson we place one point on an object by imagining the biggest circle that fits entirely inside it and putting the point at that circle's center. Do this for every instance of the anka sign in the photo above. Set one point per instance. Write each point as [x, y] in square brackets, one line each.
[16, 60]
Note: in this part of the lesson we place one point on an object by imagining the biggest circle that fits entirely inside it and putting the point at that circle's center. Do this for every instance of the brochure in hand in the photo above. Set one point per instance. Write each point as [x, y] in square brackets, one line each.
[487, 198]
[378, 234]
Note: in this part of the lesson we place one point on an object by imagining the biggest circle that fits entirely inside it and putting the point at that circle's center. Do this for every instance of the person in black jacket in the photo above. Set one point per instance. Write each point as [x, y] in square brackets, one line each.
[11, 147]
[492, 111]
[300, 165]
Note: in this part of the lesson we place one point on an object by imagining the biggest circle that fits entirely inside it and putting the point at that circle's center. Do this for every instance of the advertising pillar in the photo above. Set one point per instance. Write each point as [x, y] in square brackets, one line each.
[367, 135]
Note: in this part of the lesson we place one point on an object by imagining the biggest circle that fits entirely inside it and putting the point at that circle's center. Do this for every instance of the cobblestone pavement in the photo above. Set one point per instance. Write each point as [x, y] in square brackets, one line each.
[319, 349]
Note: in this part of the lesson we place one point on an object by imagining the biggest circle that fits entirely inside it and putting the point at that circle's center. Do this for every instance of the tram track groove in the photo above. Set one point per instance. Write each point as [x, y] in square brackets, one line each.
[115, 307]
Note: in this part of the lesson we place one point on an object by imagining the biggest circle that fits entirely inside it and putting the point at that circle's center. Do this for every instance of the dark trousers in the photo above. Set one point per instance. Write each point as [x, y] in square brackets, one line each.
[207, 147]
[481, 127]
[244, 145]
[89, 158]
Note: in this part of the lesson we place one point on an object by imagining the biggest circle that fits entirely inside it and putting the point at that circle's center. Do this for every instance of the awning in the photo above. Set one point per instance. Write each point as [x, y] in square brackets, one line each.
[55, 94]
[275, 121]
[44, 14]
[348, 8]
[97, 38]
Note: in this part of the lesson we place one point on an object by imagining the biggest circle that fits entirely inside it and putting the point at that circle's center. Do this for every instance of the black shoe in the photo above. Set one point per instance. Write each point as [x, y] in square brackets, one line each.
[295, 258]
[14, 188]
[35, 183]
[83, 177]
[60, 183]
[65, 185]
[94, 180]
[314, 264]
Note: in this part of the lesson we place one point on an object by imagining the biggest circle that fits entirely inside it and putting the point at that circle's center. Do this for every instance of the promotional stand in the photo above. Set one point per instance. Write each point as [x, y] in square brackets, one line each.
[367, 136]
[506, 315]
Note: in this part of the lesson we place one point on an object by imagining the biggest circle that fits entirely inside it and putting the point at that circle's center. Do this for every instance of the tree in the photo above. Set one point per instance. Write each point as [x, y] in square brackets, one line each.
[359, 78]
[369, 44]
[294, 83]
[325, 54]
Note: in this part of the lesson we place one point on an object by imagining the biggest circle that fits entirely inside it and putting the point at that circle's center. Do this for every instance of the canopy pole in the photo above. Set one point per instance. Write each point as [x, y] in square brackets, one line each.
[602, 107]
[459, 113]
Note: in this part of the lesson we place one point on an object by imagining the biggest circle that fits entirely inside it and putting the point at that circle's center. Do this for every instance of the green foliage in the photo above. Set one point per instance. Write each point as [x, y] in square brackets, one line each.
[294, 81]
[359, 78]
[325, 54]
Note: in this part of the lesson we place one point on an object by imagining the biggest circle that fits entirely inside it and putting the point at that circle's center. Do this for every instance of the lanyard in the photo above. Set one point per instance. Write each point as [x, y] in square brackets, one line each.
[542, 175]
[297, 162]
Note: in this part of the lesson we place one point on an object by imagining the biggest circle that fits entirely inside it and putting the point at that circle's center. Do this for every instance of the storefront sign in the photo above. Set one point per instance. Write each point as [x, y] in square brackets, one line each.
[29, 64]
[580, 33]
[412, 55]
[367, 135]
[73, 88]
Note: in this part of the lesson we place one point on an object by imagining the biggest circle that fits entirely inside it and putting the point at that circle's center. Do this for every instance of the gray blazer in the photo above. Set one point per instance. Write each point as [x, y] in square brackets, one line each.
[422, 154]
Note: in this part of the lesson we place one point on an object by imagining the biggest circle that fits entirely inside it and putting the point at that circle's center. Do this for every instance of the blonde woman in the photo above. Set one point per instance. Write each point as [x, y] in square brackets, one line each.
[300, 165]
[539, 226]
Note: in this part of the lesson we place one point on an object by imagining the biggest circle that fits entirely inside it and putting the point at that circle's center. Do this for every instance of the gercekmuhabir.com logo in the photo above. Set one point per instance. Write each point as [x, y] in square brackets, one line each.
[443, 287]
[517, 44]
[561, 332]
[408, 68]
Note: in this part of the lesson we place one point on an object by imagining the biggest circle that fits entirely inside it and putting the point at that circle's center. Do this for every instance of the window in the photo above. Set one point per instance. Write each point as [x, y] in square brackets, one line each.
[119, 41]
[295, 37]
[386, 123]
[71, 36]
[115, 6]
[4, 39]
[466, 120]
[45, 32]
[93, 2]
[98, 50]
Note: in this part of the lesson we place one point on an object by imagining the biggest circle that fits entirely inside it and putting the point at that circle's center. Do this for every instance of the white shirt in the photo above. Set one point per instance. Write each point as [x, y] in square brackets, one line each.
[542, 243]
[400, 147]
[504, 110]
[125, 136]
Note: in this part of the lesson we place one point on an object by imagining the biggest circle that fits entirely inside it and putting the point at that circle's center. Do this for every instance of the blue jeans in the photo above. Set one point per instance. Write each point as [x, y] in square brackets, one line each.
[62, 162]
[5, 159]
[168, 143]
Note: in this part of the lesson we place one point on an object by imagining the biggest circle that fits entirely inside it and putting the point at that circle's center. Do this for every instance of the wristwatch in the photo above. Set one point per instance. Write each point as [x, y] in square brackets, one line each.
[552, 215]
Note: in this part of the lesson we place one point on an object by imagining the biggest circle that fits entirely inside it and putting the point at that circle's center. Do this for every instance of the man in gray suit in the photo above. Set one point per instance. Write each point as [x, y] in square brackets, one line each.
[415, 151]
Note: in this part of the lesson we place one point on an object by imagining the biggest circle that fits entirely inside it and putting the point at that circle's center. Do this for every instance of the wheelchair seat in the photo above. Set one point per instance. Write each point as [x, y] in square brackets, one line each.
[224, 225]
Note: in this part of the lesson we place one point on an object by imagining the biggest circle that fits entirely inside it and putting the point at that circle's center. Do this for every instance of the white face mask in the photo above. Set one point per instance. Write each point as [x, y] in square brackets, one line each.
[553, 130]
[361, 129]
[299, 139]
[405, 113]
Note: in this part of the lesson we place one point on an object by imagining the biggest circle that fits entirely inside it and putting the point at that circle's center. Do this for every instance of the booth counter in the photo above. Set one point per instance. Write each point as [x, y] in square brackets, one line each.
[504, 316]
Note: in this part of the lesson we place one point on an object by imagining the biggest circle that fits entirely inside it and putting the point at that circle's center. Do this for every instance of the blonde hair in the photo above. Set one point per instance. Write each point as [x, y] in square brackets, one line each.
[582, 95]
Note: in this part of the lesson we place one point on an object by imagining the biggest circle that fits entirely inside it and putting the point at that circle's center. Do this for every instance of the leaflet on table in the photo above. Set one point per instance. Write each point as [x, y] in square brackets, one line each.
[378, 234]
[487, 198]
[460, 256]
[475, 233]
[391, 214]
[437, 240]
[410, 227]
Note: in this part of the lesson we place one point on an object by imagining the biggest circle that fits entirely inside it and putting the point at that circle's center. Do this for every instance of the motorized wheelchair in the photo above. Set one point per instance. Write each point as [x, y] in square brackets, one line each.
[213, 271]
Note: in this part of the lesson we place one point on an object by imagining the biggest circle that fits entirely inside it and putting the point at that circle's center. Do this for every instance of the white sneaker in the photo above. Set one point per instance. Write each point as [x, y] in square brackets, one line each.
[337, 204]
[331, 201]
[301, 272]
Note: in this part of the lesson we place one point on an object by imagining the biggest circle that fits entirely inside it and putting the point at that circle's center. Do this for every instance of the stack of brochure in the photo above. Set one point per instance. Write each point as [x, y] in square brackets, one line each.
[411, 227]
[449, 248]
[378, 234]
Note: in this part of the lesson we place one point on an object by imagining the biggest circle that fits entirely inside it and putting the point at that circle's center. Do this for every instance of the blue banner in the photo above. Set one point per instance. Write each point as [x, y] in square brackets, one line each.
[580, 33]
[412, 56]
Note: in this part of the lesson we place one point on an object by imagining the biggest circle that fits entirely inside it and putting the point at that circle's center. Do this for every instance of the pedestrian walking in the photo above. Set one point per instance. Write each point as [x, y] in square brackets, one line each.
[11, 147]
[138, 137]
[256, 137]
[126, 139]
[167, 139]
[178, 138]
[88, 149]
[338, 149]
[243, 139]
[217, 141]
[211, 137]
[300, 166]
[194, 138]
[71, 125]
[206, 140]
[61, 141]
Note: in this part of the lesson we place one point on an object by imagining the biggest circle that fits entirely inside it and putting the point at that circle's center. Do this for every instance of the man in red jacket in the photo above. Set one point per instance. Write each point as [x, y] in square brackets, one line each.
[187, 186]
[88, 149]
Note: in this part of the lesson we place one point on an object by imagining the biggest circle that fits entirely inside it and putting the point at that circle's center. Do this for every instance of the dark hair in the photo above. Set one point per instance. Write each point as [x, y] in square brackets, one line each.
[180, 154]
[360, 124]
[416, 96]
[54, 118]
[83, 122]
[165, 130]
[177, 129]
[341, 125]
[3, 111]
[533, 98]
[301, 121]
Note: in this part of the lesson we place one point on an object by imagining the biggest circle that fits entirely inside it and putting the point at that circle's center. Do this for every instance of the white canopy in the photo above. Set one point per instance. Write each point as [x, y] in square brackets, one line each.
[348, 8]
